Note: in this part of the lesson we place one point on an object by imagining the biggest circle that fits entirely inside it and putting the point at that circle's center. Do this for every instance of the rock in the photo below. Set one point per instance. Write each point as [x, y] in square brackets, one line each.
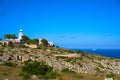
[34, 77]
[25, 58]
[109, 79]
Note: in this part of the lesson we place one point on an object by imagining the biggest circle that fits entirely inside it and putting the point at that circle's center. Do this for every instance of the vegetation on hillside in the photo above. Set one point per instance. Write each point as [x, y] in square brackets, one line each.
[25, 38]
[44, 42]
[10, 44]
[66, 70]
[9, 64]
[38, 68]
[10, 36]
[66, 66]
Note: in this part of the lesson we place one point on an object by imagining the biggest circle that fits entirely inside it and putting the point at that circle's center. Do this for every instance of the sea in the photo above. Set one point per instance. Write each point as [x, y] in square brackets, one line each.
[112, 53]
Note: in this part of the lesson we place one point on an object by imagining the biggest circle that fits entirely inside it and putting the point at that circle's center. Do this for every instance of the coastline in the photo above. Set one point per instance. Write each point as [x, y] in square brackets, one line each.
[112, 53]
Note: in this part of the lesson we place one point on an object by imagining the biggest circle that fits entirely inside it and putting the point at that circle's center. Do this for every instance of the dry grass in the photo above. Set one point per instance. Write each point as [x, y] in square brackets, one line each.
[76, 76]
[11, 73]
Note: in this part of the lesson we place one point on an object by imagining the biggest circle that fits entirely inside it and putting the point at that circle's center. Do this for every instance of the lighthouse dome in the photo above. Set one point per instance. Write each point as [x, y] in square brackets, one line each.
[21, 30]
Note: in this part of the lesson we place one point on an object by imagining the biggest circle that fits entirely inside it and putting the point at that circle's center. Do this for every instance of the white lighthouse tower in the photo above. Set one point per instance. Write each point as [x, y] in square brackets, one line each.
[20, 34]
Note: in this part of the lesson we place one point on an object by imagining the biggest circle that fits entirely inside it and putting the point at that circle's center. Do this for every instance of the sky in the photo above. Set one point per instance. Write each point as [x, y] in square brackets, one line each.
[67, 23]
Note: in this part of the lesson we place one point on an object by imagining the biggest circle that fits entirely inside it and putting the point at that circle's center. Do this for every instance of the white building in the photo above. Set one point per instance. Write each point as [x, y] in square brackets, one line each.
[49, 43]
[19, 37]
[20, 34]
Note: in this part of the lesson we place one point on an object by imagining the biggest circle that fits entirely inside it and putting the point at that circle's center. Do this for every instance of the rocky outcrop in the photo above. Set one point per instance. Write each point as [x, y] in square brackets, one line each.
[81, 64]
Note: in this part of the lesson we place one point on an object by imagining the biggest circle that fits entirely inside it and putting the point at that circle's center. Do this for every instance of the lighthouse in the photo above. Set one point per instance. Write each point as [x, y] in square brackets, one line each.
[20, 34]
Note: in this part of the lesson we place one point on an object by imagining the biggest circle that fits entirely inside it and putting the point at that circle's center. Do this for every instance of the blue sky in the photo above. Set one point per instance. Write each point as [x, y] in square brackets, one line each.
[68, 23]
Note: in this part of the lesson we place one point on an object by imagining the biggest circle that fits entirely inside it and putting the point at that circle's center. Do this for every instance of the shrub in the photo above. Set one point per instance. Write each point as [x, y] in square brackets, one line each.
[25, 76]
[1, 51]
[79, 51]
[67, 59]
[51, 75]
[10, 44]
[44, 42]
[25, 51]
[99, 64]
[79, 76]
[9, 64]
[38, 68]
[66, 70]
[80, 64]
[70, 51]
[97, 69]
[60, 57]
[110, 75]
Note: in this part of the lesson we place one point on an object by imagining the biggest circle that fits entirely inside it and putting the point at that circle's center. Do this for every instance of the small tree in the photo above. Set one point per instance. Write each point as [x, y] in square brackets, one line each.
[33, 41]
[10, 36]
[10, 44]
[13, 36]
[7, 36]
[25, 38]
[36, 41]
[44, 42]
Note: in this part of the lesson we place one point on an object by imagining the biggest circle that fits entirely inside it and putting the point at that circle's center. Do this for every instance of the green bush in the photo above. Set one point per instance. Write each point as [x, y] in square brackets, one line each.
[10, 44]
[80, 64]
[38, 68]
[110, 75]
[1, 51]
[51, 75]
[98, 70]
[66, 70]
[79, 51]
[99, 64]
[9, 64]
[60, 57]
[79, 76]
[67, 59]
[25, 51]
[70, 51]
[26, 76]
[44, 42]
